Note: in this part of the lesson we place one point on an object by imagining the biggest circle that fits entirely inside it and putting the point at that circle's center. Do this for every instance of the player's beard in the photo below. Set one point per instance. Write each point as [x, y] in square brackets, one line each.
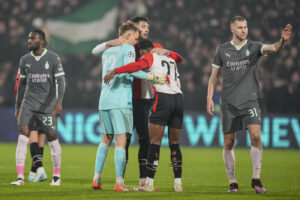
[240, 38]
[34, 48]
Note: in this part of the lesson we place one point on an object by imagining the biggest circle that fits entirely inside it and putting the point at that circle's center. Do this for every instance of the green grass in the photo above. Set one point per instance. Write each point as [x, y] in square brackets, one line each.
[204, 175]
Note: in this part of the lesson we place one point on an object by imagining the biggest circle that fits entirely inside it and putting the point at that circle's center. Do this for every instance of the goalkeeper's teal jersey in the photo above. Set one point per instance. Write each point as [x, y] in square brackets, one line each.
[118, 94]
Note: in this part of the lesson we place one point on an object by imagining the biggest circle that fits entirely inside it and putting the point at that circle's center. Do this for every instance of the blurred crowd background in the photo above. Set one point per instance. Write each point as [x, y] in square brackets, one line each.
[192, 28]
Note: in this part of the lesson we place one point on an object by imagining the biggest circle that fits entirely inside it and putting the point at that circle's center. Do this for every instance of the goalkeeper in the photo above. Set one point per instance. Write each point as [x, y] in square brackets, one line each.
[115, 104]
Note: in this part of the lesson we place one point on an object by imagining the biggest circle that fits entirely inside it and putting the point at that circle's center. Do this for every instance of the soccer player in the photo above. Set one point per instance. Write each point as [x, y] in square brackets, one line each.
[142, 99]
[167, 109]
[38, 104]
[32, 142]
[115, 104]
[237, 60]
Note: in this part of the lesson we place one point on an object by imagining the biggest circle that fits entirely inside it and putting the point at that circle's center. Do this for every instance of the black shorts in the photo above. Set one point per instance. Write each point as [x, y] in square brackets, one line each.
[234, 119]
[167, 110]
[141, 111]
[41, 122]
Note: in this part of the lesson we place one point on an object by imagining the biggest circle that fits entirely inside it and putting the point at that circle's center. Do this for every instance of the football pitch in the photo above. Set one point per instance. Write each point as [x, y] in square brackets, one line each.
[204, 175]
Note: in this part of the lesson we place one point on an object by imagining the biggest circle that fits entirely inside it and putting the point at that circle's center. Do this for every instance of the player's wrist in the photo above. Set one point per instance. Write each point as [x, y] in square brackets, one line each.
[150, 76]
[209, 98]
[282, 40]
[106, 44]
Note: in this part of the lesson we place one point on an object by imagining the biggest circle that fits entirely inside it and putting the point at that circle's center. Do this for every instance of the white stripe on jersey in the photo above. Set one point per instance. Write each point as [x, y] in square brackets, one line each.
[56, 89]
[165, 65]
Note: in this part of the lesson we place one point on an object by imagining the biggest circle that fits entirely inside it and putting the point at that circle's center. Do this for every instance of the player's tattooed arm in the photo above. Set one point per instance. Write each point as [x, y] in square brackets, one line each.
[103, 46]
[210, 91]
[277, 46]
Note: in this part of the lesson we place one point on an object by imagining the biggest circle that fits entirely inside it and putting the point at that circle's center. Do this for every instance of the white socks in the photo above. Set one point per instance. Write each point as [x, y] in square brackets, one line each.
[21, 152]
[142, 181]
[229, 161]
[149, 181]
[120, 180]
[177, 181]
[56, 156]
[256, 157]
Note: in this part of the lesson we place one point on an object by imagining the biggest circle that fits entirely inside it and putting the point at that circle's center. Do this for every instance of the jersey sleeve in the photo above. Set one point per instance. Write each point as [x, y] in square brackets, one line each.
[58, 69]
[21, 69]
[132, 67]
[17, 82]
[99, 48]
[129, 55]
[155, 45]
[259, 46]
[217, 59]
[148, 58]
[175, 56]
[144, 62]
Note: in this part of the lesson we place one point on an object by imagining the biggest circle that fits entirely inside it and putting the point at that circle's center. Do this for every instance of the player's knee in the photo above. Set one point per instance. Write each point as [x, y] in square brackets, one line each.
[155, 140]
[51, 137]
[255, 139]
[173, 140]
[143, 140]
[228, 144]
[24, 130]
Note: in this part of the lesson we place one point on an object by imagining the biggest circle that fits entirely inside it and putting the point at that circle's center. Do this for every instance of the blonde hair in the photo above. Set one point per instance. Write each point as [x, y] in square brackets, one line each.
[127, 26]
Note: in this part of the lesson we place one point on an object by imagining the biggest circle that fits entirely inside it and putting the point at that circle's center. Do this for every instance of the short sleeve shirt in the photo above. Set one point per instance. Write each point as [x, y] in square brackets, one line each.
[239, 69]
[40, 73]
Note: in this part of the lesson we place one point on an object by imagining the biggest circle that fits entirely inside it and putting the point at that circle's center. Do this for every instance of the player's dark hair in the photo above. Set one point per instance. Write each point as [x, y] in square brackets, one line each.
[129, 25]
[137, 20]
[145, 44]
[237, 18]
[42, 35]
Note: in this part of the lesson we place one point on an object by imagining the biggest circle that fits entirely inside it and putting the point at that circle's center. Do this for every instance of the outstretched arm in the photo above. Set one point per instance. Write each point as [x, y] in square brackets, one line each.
[210, 91]
[131, 67]
[172, 54]
[103, 46]
[277, 46]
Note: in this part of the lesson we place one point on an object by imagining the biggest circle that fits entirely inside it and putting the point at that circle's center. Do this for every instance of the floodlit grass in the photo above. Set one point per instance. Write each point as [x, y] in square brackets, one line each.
[204, 175]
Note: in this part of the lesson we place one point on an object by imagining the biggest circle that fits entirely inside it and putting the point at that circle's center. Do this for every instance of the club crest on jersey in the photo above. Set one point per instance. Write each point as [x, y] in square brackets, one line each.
[130, 54]
[247, 52]
[47, 65]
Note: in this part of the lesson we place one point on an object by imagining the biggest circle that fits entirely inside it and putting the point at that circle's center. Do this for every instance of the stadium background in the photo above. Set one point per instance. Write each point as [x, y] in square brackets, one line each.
[192, 28]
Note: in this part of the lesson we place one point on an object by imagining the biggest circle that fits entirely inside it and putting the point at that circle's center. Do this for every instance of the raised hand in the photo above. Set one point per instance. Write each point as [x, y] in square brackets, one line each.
[286, 33]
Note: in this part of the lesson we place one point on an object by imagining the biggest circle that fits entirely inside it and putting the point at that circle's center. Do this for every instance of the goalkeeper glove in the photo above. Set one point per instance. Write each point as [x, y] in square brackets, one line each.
[157, 78]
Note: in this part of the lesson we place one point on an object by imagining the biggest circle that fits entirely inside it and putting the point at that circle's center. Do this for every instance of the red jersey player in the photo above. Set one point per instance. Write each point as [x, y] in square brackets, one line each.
[166, 111]
[142, 98]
